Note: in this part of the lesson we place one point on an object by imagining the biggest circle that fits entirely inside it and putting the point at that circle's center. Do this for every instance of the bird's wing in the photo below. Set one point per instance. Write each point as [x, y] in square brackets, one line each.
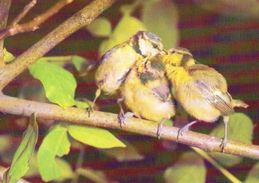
[220, 100]
[162, 91]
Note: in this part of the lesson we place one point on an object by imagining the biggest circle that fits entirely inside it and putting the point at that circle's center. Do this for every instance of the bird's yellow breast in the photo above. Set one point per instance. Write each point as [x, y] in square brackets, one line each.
[177, 75]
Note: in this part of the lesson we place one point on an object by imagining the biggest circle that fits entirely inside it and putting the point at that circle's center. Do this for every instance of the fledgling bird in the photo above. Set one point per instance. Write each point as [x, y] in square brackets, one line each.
[117, 62]
[146, 92]
[203, 93]
[177, 57]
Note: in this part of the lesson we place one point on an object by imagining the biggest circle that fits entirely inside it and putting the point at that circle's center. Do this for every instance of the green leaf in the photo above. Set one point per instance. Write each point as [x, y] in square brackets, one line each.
[164, 25]
[78, 62]
[58, 83]
[129, 153]
[168, 122]
[8, 57]
[188, 168]
[65, 170]
[82, 105]
[96, 137]
[126, 28]
[55, 144]
[33, 170]
[253, 175]
[100, 27]
[240, 128]
[20, 162]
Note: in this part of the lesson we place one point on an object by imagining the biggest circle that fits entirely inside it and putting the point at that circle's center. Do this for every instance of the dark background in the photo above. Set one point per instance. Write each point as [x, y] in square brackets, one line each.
[227, 43]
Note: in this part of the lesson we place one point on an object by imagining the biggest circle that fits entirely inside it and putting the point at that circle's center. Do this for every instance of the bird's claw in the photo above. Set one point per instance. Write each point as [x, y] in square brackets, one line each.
[89, 110]
[184, 129]
[122, 117]
[181, 131]
[223, 144]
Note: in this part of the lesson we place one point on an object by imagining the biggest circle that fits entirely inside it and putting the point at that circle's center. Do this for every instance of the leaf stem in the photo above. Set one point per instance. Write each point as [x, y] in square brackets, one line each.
[223, 170]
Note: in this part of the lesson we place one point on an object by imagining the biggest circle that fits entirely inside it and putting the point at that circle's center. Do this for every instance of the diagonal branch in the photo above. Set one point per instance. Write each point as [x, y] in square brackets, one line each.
[80, 19]
[24, 12]
[4, 12]
[34, 24]
[23, 107]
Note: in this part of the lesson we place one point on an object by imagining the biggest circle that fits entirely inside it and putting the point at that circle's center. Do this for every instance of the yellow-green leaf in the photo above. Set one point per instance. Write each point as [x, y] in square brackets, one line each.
[127, 27]
[20, 162]
[66, 171]
[253, 175]
[100, 27]
[8, 57]
[129, 153]
[55, 144]
[161, 17]
[82, 105]
[58, 83]
[240, 128]
[96, 137]
[78, 62]
[188, 168]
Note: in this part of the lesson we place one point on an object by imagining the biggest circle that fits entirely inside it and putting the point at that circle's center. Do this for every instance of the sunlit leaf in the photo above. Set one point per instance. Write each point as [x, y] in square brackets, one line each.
[58, 83]
[128, 153]
[127, 27]
[100, 27]
[168, 122]
[253, 175]
[82, 105]
[55, 144]
[20, 162]
[240, 129]
[33, 170]
[94, 175]
[161, 17]
[95, 137]
[8, 57]
[78, 62]
[188, 168]
[65, 170]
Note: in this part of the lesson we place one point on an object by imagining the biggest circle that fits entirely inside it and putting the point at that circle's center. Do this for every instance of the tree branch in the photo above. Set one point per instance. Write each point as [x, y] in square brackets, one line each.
[34, 24]
[23, 107]
[77, 21]
[4, 11]
[23, 13]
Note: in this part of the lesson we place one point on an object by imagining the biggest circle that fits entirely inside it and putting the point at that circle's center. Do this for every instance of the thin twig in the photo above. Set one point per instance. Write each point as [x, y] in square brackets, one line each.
[223, 170]
[15, 106]
[74, 23]
[24, 12]
[34, 24]
[4, 12]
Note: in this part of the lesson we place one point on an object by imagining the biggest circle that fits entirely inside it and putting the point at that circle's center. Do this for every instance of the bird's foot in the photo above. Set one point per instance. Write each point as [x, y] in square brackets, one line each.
[184, 129]
[223, 144]
[89, 110]
[159, 127]
[122, 117]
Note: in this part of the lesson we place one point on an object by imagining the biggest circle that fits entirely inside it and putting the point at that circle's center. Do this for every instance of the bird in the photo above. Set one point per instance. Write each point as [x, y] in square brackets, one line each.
[116, 63]
[202, 92]
[146, 93]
